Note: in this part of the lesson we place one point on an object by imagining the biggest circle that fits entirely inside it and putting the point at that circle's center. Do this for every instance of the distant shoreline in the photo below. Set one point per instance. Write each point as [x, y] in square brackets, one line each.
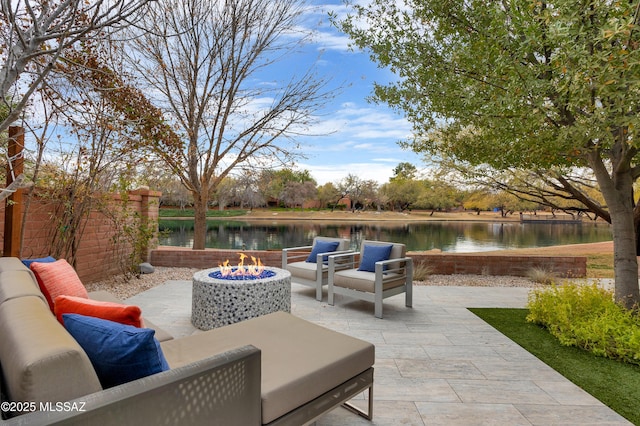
[373, 216]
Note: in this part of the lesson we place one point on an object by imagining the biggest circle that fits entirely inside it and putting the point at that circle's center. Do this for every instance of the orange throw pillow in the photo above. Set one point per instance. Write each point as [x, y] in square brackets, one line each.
[58, 279]
[124, 314]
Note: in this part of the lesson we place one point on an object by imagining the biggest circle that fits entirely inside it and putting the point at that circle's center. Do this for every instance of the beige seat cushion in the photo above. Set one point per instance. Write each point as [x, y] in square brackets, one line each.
[365, 281]
[40, 361]
[306, 270]
[18, 283]
[104, 296]
[300, 360]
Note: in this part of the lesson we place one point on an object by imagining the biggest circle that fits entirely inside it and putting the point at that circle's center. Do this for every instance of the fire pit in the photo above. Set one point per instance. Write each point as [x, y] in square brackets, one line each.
[226, 295]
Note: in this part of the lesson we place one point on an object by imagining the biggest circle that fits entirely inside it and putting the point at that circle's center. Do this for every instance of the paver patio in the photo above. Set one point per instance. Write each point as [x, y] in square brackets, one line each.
[436, 363]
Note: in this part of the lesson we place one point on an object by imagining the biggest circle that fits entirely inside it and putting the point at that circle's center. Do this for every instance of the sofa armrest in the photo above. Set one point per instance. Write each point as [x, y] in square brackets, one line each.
[224, 387]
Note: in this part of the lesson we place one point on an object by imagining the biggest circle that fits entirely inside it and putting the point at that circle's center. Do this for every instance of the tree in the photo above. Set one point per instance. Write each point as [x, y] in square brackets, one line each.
[520, 85]
[401, 193]
[36, 34]
[360, 191]
[295, 193]
[405, 170]
[438, 195]
[327, 194]
[202, 62]
[273, 183]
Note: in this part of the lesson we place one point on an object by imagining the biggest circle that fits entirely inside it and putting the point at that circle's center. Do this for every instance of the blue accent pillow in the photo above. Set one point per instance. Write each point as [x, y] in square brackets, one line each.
[322, 247]
[28, 262]
[119, 353]
[372, 254]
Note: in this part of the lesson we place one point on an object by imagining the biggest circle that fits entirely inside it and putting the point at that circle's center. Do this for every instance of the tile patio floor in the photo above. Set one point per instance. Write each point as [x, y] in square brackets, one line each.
[436, 364]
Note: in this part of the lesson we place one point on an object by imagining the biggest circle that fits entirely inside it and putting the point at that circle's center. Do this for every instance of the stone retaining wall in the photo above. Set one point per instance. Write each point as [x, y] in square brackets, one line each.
[438, 263]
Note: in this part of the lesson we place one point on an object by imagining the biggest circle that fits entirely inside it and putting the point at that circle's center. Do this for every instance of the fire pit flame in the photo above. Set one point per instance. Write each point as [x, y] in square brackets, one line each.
[253, 270]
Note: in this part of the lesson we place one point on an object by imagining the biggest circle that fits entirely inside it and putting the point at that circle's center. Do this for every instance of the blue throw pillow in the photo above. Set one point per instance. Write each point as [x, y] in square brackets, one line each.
[119, 353]
[372, 254]
[28, 262]
[322, 247]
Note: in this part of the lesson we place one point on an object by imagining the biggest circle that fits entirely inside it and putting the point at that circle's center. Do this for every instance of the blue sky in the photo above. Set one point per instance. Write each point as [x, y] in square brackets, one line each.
[364, 135]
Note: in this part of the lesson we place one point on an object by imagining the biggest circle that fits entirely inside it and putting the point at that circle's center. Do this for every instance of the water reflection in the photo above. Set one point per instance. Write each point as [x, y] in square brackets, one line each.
[447, 236]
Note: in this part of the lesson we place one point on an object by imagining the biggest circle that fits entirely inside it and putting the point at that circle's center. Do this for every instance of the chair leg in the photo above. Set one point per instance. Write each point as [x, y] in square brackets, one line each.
[408, 299]
[319, 292]
[378, 306]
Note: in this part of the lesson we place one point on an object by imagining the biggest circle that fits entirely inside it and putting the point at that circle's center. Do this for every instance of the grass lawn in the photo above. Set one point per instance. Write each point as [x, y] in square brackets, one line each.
[614, 383]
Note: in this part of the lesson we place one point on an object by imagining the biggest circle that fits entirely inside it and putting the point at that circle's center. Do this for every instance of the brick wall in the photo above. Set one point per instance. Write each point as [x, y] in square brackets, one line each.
[482, 264]
[208, 258]
[438, 263]
[97, 256]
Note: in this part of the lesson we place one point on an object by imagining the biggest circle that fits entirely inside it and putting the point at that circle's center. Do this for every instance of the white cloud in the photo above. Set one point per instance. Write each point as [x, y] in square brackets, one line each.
[335, 173]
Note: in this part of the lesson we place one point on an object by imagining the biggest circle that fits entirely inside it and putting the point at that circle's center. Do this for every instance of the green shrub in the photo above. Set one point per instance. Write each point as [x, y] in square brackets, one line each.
[586, 316]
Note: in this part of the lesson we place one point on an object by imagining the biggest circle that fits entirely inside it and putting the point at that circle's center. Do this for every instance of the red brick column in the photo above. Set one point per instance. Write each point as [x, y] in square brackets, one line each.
[149, 211]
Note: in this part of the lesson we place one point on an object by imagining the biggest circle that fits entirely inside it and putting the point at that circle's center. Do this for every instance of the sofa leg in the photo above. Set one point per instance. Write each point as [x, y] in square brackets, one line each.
[366, 414]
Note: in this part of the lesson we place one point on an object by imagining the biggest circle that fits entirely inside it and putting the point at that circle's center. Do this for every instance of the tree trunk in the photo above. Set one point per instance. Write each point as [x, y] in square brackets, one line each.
[625, 260]
[617, 191]
[200, 205]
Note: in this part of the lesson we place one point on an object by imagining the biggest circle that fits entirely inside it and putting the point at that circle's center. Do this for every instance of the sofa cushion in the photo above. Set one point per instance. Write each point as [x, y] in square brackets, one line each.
[300, 360]
[18, 283]
[119, 353]
[372, 254]
[56, 279]
[320, 246]
[40, 361]
[117, 312]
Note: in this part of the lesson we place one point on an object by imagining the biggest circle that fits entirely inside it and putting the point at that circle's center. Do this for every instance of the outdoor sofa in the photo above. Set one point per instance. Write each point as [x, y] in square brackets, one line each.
[274, 369]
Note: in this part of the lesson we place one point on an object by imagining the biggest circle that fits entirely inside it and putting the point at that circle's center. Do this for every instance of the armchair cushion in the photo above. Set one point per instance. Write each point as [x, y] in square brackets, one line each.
[320, 246]
[365, 281]
[119, 353]
[372, 254]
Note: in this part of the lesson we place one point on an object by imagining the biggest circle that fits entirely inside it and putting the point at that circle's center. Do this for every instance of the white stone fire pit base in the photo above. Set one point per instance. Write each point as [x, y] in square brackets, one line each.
[217, 302]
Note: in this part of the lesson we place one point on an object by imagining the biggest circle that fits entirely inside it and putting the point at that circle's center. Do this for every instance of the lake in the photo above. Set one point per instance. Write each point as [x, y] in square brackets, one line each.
[462, 237]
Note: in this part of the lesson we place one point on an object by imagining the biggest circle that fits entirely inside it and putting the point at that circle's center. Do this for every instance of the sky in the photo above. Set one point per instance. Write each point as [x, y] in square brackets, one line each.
[359, 137]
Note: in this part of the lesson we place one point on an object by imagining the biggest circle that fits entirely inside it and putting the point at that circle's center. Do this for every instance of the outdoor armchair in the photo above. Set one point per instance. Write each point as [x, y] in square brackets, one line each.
[379, 270]
[308, 265]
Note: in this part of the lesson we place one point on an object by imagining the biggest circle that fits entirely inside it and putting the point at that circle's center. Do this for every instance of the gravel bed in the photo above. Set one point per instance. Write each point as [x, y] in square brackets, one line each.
[477, 281]
[123, 289]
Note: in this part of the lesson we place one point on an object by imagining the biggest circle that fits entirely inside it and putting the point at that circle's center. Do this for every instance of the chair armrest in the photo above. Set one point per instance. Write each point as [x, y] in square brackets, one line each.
[289, 254]
[297, 248]
[331, 253]
[224, 387]
[408, 263]
[343, 261]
